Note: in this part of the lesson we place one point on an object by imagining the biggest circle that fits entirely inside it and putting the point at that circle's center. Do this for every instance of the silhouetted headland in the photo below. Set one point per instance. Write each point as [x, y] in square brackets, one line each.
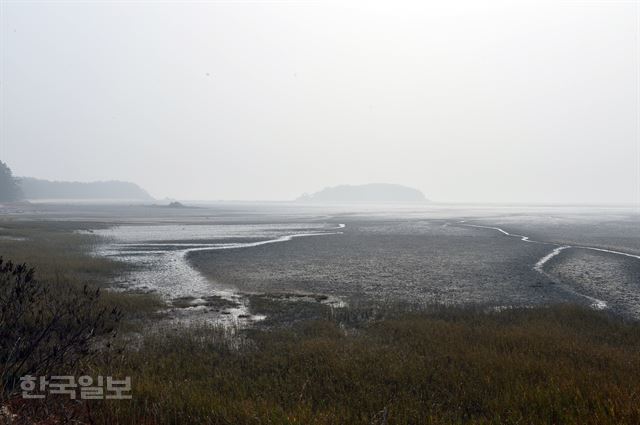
[33, 188]
[368, 193]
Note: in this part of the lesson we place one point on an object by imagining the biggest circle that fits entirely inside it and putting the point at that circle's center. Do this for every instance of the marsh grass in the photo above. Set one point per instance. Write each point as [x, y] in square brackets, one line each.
[561, 364]
[60, 251]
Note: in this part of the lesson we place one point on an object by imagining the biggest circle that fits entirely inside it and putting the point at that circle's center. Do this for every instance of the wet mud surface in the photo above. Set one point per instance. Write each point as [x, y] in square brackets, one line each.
[216, 261]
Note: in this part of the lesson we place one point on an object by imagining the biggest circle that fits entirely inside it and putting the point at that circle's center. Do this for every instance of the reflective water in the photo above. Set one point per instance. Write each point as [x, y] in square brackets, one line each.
[158, 254]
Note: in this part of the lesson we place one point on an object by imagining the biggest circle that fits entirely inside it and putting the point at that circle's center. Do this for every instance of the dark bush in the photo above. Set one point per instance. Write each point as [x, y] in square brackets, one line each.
[46, 328]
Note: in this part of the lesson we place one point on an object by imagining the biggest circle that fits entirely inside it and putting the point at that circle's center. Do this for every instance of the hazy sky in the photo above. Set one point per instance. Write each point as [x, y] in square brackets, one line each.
[467, 101]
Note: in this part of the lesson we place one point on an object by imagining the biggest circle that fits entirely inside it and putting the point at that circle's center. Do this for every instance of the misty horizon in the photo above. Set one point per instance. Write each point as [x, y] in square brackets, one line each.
[489, 102]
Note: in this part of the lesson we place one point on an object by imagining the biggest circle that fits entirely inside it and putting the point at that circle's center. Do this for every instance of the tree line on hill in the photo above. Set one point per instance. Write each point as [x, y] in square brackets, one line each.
[9, 188]
[15, 189]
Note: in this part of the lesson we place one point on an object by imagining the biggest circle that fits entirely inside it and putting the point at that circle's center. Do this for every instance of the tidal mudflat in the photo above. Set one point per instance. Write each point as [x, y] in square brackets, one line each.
[447, 261]
[210, 261]
[159, 252]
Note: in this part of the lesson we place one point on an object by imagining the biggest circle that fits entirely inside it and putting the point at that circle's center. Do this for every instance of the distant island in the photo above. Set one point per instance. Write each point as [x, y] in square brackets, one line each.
[176, 204]
[173, 204]
[368, 193]
[33, 188]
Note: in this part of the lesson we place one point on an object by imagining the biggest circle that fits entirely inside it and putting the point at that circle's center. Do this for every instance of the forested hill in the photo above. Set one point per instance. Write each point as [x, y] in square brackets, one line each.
[44, 189]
